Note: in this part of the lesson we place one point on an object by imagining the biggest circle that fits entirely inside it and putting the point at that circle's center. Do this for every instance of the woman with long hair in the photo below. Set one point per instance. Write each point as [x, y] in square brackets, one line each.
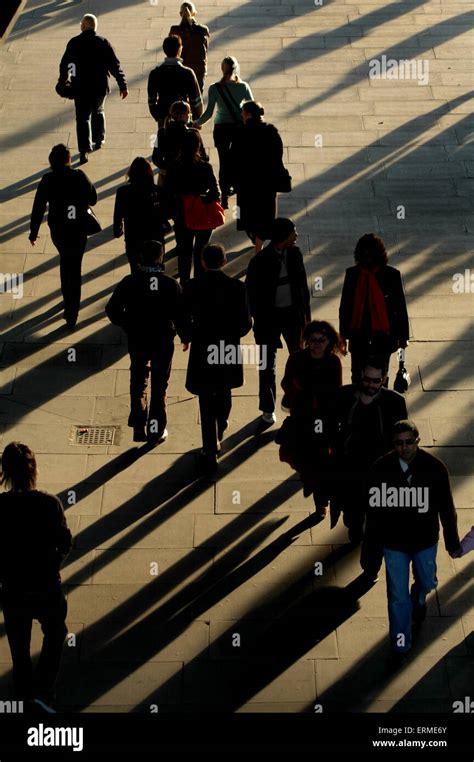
[372, 313]
[257, 162]
[195, 41]
[226, 96]
[67, 193]
[137, 211]
[190, 175]
[312, 377]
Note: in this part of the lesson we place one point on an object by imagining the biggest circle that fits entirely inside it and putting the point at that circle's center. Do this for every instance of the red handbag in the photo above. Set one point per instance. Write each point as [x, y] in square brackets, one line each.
[201, 216]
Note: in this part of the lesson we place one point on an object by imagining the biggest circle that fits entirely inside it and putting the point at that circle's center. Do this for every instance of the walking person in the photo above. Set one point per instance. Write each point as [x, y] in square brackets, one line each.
[34, 539]
[172, 81]
[372, 312]
[190, 176]
[406, 524]
[366, 414]
[226, 96]
[257, 166]
[171, 137]
[67, 193]
[312, 378]
[217, 311]
[195, 41]
[279, 303]
[87, 63]
[138, 211]
[146, 304]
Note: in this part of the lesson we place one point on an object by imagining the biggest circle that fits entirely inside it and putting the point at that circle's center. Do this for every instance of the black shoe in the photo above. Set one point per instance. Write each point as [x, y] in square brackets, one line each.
[71, 321]
[207, 463]
[418, 615]
[155, 439]
[396, 660]
[369, 577]
[98, 146]
[139, 434]
[83, 157]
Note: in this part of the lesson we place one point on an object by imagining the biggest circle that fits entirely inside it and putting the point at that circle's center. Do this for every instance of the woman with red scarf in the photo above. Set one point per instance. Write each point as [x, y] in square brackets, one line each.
[373, 312]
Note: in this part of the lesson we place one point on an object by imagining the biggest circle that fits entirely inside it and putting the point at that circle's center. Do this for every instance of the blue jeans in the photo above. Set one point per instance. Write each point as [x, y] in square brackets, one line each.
[400, 599]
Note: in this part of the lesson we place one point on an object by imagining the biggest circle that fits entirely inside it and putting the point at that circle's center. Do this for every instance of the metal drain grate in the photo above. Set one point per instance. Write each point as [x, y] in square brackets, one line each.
[94, 435]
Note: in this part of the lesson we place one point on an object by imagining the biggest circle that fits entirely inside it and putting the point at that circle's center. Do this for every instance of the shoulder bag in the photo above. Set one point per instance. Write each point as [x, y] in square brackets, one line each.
[201, 216]
[230, 103]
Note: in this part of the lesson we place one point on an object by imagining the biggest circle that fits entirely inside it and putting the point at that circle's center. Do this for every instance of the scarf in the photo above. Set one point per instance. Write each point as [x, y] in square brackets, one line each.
[368, 287]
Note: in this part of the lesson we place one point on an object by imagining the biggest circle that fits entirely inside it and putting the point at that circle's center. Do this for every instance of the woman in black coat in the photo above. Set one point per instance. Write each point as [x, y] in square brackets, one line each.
[372, 313]
[190, 175]
[257, 163]
[137, 210]
[195, 41]
[67, 193]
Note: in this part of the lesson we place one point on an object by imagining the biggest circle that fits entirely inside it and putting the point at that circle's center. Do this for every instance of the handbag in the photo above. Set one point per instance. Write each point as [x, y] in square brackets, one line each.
[283, 184]
[92, 224]
[402, 379]
[201, 216]
[65, 89]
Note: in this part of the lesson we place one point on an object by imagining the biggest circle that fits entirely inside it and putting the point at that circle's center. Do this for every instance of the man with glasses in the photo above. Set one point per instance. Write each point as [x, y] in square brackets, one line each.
[366, 415]
[409, 492]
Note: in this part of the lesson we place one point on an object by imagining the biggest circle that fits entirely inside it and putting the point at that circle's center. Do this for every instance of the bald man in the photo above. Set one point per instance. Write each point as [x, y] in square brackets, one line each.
[88, 62]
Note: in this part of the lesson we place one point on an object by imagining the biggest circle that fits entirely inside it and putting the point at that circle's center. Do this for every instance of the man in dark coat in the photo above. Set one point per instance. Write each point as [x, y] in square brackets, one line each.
[147, 306]
[366, 414]
[409, 492]
[34, 539]
[280, 304]
[67, 193]
[217, 311]
[170, 82]
[372, 313]
[87, 63]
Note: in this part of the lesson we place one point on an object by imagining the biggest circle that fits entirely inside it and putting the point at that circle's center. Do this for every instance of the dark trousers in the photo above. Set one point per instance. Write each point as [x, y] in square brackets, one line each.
[189, 246]
[352, 493]
[289, 326]
[214, 408]
[50, 609]
[145, 360]
[363, 348]
[223, 135]
[90, 121]
[71, 253]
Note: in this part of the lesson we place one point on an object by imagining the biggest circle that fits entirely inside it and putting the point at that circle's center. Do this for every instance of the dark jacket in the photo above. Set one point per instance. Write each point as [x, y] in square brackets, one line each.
[94, 59]
[196, 179]
[147, 305]
[261, 282]
[311, 385]
[195, 39]
[217, 310]
[256, 157]
[408, 528]
[364, 438]
[170, 82]
[391, 284]
[68, 193]
[34, 538]
[138, 212]
[170, 140]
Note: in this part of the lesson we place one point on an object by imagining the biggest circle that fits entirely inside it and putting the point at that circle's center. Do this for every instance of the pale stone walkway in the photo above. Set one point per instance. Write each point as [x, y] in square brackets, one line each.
[235, 618]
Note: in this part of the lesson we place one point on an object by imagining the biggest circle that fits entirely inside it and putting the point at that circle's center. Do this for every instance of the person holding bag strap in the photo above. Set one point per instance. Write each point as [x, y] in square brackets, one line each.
[227, 95]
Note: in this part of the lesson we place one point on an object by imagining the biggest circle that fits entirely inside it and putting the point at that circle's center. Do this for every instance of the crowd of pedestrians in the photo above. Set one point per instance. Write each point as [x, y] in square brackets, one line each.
[346, 442]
